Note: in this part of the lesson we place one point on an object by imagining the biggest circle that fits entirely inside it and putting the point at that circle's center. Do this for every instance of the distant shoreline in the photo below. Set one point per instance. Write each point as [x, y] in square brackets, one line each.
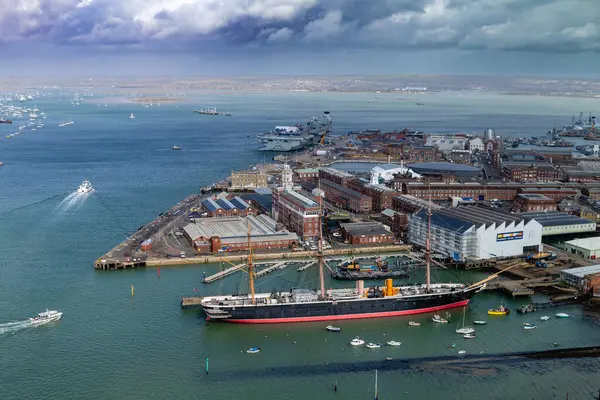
[574, 95]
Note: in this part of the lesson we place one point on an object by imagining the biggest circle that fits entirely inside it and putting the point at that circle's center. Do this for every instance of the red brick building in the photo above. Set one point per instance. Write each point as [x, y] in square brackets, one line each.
[367, 233]
[530, 171]
[557, 194]
[534, 202]
[346, 198]
[298, 213]
[334, 175]
[307, 175]
[381, 195]
[220, 208]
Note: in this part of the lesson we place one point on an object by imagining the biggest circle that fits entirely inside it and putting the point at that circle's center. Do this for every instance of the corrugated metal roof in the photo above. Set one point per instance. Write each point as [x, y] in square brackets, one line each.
[225, 204]
[592, 243]
[583, 271]
[554, 218]
[239, 203]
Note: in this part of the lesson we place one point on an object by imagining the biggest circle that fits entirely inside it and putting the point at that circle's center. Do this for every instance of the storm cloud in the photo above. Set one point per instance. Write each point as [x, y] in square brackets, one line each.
[529, 25]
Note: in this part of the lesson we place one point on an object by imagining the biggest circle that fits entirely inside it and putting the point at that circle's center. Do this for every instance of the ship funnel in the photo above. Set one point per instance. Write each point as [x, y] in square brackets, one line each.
[388, 287]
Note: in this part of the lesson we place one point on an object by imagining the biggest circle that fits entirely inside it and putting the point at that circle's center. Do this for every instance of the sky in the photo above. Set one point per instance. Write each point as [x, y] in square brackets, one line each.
[296, 37]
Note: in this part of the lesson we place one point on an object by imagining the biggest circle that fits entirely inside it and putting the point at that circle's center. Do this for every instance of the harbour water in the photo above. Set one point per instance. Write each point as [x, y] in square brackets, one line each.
[112, 345]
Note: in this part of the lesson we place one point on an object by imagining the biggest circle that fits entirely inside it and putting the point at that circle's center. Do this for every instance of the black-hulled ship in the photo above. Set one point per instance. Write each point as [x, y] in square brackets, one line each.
[5, 121]
[302, 305]
[352, 270]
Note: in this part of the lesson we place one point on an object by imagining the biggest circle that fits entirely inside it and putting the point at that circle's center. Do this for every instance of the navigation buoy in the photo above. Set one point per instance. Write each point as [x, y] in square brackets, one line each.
[132, 291]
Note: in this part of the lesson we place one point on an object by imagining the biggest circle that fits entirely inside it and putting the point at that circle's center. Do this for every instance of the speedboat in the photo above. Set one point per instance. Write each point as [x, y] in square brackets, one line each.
[253, 350]
[462, 352]
[465, 330]
[529, 326]
[357, 342]
[545, 318]
[479, 322]
[414, 323]
[562, 315]
[45, 317]
[469, 336]
[373, 345]
[439, 320]
[85, 187]
[394, 343]
[175, 147]
[332, 328]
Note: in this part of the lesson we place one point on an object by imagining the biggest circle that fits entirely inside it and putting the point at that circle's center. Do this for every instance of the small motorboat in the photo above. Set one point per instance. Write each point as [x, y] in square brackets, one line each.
[502, 310]
[394, 343]
[253, 350]
[414, 323]
[45, 317]
[562, 315]
[332, 328]
[131, 116]
[479, 322]
[469, 336]
[528, 326]
[373, 345]
[357, 342]
[85, 187]
[545, 318]
[436, 318]
[462, 352]
[175, 147]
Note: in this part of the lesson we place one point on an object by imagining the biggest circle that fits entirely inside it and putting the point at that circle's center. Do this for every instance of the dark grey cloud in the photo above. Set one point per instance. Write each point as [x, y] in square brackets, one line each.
[527, 25]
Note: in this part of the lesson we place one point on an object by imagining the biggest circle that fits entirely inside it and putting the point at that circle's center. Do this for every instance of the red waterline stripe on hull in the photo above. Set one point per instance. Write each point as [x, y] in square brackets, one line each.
[461, 303]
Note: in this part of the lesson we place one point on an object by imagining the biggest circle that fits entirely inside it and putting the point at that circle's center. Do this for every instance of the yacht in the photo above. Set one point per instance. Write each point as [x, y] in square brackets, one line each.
[85, 187]
[45, 317]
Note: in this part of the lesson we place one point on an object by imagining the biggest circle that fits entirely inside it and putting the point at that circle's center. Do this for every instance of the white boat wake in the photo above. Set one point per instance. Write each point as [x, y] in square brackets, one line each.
[15, 326]
[41, 319]
[72, 200]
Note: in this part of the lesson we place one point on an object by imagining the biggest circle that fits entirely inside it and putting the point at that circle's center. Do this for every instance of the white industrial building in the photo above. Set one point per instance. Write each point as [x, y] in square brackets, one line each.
[559, 223]
[386, 172]
[446, 143]
[472, 232]
[586, 248]
[476, 144]
[576, 276]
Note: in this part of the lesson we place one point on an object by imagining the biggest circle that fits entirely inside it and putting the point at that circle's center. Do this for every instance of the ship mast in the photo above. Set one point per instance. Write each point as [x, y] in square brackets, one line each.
[321, 275]
[428, 244]
[249, 263]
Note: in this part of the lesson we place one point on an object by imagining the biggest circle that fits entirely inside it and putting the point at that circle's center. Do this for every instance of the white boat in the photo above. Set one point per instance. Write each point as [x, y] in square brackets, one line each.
[131, 116]
[414, 323]
[253, 350]
[373, 345]
[439, 320]
[85, 187]
[357, 342]
[562, 315]
[479, 322]
[394, 343]
[528, 326]
[175, 147]
[45, 317]
[462, 352]
[332, 328]
[545, 318]
[469, 336]
[465, 329]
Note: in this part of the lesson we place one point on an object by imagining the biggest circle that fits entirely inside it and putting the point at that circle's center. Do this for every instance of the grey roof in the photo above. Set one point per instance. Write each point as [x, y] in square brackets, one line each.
[429, 167]
[524, 164]
[343, 189]
[463, 217]
[265, 201]
[232, 227]
[554, 218]
[388, 166]
[305, 201]
[582, 271]
[591, 243]
[533, 196]
[388, 212]
[263, 190]
[365, 228]
[225, 204]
